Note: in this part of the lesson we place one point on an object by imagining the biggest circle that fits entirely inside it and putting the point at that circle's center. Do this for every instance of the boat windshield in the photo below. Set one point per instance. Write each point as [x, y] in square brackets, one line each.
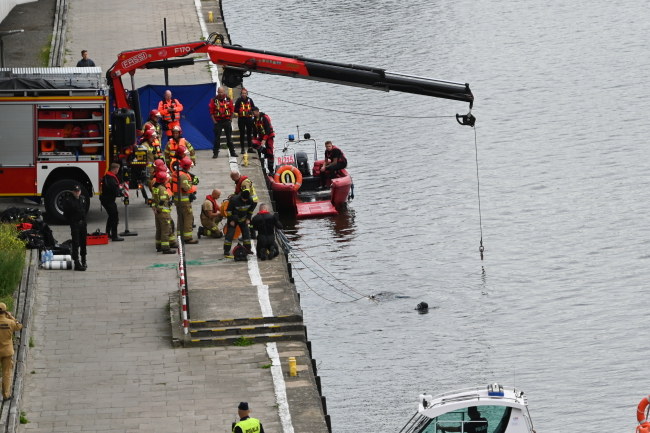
[497, 418]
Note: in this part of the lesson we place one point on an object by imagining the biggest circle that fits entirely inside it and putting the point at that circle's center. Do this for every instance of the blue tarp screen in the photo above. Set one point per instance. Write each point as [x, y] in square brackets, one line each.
[195, 118]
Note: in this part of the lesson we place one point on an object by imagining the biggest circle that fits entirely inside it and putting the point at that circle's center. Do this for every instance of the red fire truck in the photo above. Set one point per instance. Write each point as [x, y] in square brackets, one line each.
[54, 133]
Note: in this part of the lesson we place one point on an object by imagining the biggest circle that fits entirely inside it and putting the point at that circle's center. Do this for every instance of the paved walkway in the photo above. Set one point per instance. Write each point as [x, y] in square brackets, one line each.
[102, 360]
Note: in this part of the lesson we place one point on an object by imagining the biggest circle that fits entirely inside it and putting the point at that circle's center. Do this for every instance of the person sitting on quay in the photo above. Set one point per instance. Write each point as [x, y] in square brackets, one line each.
[266, 223]
[211, 216]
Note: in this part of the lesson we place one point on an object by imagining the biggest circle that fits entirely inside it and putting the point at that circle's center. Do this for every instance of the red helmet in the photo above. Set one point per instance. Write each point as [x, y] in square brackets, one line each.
[149, 133]
[180, 151]
[161, 176]
[154, 113]
[186, 163]
[159, 163]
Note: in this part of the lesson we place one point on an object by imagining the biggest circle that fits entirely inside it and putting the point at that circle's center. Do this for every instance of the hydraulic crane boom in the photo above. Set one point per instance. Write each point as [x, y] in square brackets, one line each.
[239, 62]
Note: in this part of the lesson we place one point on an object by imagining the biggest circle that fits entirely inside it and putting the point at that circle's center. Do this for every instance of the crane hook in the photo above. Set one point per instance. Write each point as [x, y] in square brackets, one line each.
[466, 119]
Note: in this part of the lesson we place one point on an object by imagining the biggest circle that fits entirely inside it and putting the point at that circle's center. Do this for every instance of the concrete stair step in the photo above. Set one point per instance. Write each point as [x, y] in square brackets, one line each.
[242, 340]
[243, 321]
[246, 330]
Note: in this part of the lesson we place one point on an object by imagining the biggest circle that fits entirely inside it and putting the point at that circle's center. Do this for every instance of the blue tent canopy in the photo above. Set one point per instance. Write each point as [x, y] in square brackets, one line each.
[195, 118]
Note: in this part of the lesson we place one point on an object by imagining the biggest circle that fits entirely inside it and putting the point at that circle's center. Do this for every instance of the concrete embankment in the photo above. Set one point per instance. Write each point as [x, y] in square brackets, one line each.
[102, 357]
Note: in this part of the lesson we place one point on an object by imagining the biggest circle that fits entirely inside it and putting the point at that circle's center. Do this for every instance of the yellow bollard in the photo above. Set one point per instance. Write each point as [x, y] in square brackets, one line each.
[210, 17]
[293, 371]
[245, 161]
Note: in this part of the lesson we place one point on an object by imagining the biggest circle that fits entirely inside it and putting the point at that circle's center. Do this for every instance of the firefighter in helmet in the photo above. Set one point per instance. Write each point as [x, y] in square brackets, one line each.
[162, 207]
[153, 122]
[174, 143]
[184, 190]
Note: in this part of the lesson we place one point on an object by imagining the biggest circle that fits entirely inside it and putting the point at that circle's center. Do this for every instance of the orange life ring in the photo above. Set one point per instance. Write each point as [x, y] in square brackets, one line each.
[295, 176]
[48, 146]
[641, 410]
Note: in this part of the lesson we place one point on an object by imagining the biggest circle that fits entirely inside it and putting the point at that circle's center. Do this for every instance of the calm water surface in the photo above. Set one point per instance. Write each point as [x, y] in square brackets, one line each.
[557, 306]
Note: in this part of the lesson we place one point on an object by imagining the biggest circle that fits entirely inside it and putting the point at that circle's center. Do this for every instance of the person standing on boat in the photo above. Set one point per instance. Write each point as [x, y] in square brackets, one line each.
[244, 112]
[476, 423]
[334, 160]
[265, 224]
[221, 111]
[264, 136]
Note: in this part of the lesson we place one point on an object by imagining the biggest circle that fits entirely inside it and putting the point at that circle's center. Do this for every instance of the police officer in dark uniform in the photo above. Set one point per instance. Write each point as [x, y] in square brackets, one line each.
[265, 223]
[111, 191]
[74, 212]
[246, 424]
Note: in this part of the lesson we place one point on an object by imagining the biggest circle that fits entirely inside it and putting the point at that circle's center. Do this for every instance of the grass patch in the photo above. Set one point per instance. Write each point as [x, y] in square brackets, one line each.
[23, 418]
[267, 366]
[12, 261]
[31, 341]
[243, 341]
[44, 53]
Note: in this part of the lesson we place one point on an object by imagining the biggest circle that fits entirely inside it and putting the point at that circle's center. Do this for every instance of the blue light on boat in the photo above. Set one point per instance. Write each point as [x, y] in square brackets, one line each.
[291, 137]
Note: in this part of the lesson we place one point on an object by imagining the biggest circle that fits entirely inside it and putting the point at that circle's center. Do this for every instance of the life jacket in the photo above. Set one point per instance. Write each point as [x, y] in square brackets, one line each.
[261, 128]
[215, 205]
[222, 108]
[166, 114]
[102, 185]
[239, 183]
[245, 108]
[185, 176]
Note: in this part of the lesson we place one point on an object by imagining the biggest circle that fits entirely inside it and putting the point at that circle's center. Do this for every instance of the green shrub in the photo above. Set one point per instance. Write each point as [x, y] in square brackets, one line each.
[12, 259]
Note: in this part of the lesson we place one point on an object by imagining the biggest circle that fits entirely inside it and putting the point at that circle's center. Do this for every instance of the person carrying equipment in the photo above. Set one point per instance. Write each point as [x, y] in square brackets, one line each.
[162, 207]
[211, 216]
[239, 213]
[184, 191]
[265, 224]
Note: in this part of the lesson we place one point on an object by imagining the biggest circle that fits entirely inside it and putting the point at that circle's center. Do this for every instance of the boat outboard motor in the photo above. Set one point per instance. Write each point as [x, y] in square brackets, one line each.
[302, 163]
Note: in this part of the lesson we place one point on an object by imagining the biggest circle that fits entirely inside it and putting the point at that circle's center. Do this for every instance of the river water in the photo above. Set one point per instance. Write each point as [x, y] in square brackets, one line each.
[556, 308]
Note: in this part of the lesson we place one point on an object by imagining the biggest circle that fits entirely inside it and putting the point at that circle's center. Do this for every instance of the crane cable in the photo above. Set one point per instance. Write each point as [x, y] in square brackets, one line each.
[478, 192]
[348, 112]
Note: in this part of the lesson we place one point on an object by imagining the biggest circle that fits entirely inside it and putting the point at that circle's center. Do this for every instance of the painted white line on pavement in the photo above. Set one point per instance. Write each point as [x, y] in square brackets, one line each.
[256, 280]
[280, 388]
[204, 32]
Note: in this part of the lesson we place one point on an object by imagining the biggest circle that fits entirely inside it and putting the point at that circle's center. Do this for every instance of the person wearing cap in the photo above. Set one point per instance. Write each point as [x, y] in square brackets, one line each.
[74, 211]
[239, 213]
[8, 325]
[246, 424]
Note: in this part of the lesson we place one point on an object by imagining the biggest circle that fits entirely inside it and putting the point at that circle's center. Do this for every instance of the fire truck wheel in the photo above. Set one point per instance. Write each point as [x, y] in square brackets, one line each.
[55, 196]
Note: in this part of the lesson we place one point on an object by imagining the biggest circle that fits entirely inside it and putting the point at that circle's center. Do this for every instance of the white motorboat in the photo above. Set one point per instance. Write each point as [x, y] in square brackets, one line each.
[492, 409]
